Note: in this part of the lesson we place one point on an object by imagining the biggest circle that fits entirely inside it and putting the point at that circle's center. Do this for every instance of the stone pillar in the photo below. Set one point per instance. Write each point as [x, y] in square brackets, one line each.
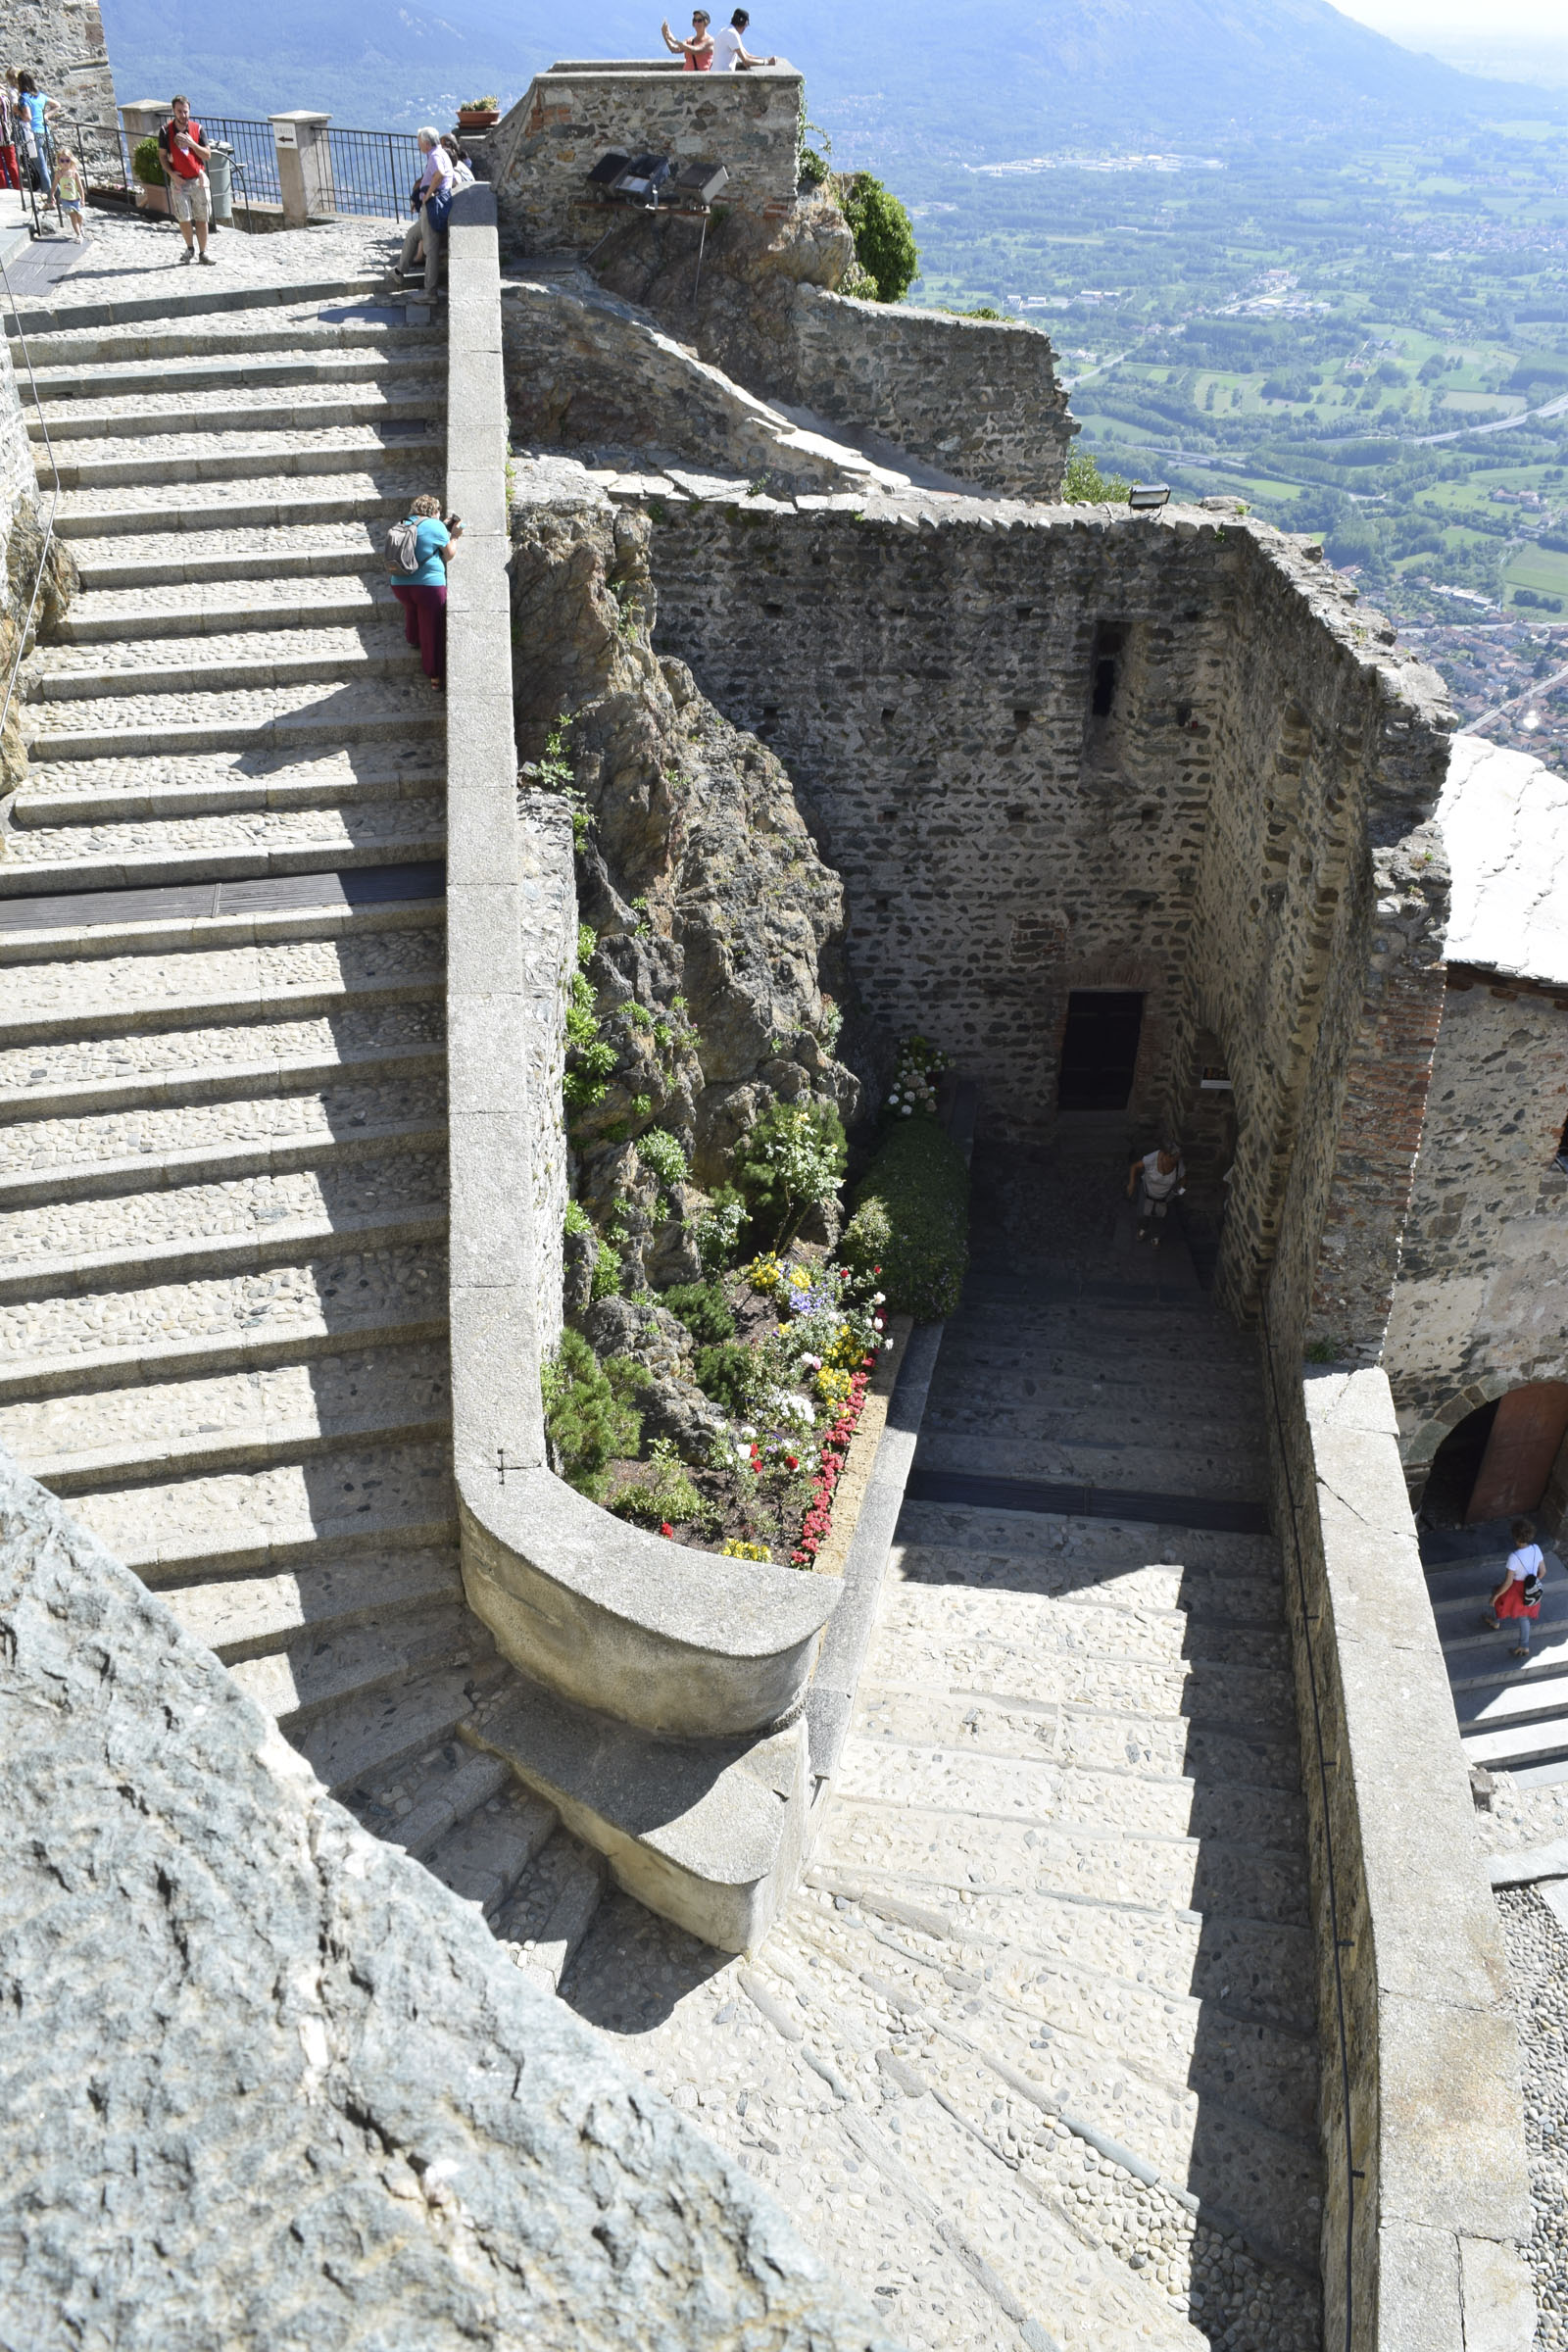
[145, 119]
[304, 166]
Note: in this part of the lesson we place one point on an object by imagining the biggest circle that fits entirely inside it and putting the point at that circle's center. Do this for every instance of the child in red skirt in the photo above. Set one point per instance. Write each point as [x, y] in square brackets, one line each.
[1510, 1609]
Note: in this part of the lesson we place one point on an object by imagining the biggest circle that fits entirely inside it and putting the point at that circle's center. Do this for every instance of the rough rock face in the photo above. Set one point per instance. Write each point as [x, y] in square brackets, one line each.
[740, 316]
[268, 2084]
[718, 966]
[671, 1403]
[24, 545]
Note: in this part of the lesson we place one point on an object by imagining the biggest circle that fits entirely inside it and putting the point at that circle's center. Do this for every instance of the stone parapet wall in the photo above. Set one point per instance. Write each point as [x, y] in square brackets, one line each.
[542, 152]
[61, 43]
[1427, 2206]
[267, 2082]
[977, 397]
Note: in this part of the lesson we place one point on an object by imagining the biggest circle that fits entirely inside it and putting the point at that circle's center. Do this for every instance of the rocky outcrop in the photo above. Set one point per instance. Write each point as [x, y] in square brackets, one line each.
[56, 585]
[715, 963]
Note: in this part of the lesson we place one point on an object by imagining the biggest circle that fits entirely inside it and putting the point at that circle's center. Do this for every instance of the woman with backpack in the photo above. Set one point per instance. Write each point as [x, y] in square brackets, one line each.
[1517, 1598]
[420, 549]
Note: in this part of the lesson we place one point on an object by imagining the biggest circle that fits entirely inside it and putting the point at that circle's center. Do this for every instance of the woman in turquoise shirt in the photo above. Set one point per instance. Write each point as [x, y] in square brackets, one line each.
[423, 592]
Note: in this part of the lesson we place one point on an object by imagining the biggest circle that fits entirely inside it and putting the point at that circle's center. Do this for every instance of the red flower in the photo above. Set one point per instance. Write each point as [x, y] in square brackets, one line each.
[664, 1528]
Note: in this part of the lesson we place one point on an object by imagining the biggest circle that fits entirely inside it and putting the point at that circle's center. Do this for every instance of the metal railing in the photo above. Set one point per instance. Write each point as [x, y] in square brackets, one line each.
[373, 170]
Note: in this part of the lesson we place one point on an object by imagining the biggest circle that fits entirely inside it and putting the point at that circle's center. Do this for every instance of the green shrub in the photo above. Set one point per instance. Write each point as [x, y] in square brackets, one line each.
[670, 1494]
[884, 237]
[732, 1374]
[1083, 485]
[792, 1160]
[911, 1218]
[704, 1309]
[718, 1234]
[589, 1423]
[662, 1157]
[147, 163]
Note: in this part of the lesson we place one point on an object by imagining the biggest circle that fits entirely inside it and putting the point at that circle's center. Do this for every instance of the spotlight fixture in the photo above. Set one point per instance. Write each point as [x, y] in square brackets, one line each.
[1147, 498]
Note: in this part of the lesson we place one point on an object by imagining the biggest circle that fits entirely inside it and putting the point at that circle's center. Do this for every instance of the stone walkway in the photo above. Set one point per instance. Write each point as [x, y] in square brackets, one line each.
[1538, 1953]
[1033, 2054]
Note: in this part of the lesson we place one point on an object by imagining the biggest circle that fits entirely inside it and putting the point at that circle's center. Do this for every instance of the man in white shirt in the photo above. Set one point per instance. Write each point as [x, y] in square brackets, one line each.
[1155, 1180]
[731, 53]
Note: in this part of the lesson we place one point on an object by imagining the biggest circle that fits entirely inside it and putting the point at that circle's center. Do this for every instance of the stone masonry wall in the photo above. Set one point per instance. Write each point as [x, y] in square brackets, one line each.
[268, 2082]
[61, 42]
[543, 151]
[975, 396]
[1208, 841]
[1482, 1304]
[21, 539]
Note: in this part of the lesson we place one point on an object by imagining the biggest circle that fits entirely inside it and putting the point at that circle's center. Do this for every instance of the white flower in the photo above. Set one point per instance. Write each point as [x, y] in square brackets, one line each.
[879, 1298]
[886, 1345]
[745, 1429]
[906, 1110]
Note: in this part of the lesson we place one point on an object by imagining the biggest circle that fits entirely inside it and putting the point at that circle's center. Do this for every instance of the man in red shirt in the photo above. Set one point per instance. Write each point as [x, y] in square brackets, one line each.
[184, 153]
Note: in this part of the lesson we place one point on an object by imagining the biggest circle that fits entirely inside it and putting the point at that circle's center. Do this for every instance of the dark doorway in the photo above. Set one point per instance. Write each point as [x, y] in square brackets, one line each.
[1500, 1457]
[1446, 1497]
[1099, 1048]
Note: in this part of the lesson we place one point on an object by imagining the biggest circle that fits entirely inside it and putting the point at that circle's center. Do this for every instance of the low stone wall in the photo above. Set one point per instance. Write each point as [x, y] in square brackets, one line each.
[267, 2082]
[540, 155]
[977, 397]
[1427, 2205]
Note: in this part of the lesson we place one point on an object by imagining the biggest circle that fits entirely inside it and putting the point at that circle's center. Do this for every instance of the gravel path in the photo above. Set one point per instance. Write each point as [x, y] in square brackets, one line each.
[1538, 1950]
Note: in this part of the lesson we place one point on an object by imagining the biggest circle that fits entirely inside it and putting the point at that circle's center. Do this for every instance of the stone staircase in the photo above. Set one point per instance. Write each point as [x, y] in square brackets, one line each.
[1033, 2055]
[222, 1128]
[1512, 1716]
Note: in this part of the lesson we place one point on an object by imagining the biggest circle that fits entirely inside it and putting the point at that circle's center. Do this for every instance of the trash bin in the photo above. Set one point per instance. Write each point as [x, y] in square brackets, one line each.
[219, 180]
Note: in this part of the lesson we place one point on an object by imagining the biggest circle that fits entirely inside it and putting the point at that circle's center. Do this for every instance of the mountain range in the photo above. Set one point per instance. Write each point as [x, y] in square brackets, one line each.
[949, 80]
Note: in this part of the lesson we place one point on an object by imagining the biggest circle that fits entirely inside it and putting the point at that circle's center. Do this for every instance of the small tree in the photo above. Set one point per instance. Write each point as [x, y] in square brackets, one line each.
[792, 1160]
[884, 238]
[1083, 485]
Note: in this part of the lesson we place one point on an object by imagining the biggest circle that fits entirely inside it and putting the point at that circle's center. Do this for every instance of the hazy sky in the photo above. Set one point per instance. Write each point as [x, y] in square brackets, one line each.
[1409, 21]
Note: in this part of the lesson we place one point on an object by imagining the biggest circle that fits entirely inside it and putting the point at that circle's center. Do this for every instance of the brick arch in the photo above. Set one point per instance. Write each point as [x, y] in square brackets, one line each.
[1418, 1450]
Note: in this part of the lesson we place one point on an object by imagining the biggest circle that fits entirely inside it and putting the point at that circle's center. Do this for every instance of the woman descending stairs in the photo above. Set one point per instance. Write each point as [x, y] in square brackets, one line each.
[223, 1156]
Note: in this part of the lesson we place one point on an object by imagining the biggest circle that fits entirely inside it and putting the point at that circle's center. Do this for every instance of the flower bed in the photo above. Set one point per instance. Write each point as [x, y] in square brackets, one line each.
[721, 1412]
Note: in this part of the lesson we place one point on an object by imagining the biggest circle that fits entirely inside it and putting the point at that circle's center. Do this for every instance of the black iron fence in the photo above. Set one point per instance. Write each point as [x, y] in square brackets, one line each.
[368, 173]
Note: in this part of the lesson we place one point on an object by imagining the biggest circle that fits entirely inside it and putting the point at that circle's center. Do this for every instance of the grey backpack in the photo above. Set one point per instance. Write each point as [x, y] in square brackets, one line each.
[403, 545]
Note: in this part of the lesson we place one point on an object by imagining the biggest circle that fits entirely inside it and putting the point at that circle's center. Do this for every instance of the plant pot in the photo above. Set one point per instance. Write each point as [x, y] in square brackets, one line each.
[152, 199]
[477, 117]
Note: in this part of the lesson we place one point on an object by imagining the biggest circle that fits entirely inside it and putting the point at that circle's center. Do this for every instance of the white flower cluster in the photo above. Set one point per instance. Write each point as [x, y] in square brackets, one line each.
[914, 1079]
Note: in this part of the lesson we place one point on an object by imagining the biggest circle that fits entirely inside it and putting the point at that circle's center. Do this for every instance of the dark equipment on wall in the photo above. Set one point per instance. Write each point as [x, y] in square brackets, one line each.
[1147, 498]
[653, 183]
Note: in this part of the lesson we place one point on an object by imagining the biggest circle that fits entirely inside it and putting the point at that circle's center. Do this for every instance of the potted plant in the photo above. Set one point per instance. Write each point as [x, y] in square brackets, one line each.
[477, 114]
[147, 170]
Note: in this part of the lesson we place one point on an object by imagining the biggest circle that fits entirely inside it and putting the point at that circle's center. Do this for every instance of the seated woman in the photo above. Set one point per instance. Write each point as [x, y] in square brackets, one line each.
[433, 185]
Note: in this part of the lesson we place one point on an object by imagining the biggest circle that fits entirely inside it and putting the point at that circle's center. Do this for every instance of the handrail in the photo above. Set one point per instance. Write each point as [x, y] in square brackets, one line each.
[54, 504]
[1328, 1832]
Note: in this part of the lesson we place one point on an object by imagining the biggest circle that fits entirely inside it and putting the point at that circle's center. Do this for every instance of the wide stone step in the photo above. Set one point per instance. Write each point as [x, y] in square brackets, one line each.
[488, 1855]
[884, 2180]
[1172, 1746]
[381, 490]
[316, 1305]
[879, 1767]
[241, 659]
[183, 1530]
[282, 979]
[1170, 1585]
[1212, 1470]
[231, 1420]
[243, 845]
[421, 1800]
[1049, 1544]
[177, 609]
[327, 1594]
[387, 706]
[1259, 1968]
[219, 783]
[1078, 1414]
[970, 2045]
[199, 1064]
[206, 1229]
[1527, 1695]
[164, 556]
[245, 456]
[547, 1919]
[414, 359]
[286, 330]
[228, 1134]
[1221, 1696]
[319, 1671]
[139, 412]
[366, 1735]
[1086, 1373]
[990, 1626]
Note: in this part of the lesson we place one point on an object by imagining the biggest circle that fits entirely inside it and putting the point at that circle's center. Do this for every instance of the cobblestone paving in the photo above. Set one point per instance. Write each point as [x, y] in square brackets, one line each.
[124, 258]
[1538, 1953]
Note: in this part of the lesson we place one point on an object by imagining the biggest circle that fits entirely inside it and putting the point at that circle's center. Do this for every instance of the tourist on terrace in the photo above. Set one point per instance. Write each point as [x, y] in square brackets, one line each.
[185, 152]
[33, 114]
[731, 53]
[432, 188]
[9, 102]
[1512, 1610]
[697, 52]
[69, 191]
[423, 592]
[1155, 1180]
